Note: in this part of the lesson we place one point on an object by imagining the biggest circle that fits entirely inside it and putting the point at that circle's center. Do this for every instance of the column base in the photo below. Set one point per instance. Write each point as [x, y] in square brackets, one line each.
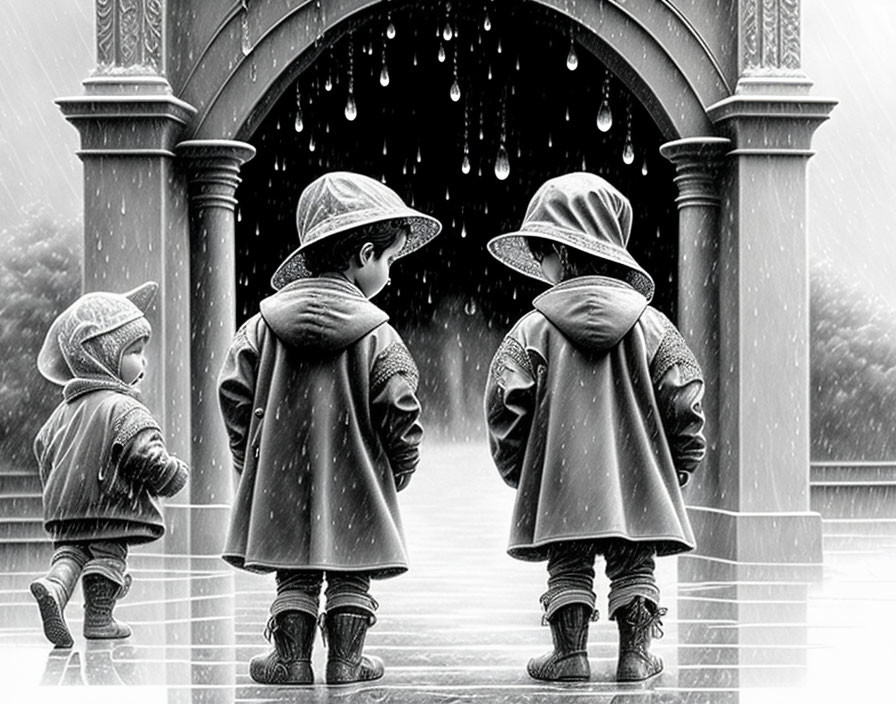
[767, 542]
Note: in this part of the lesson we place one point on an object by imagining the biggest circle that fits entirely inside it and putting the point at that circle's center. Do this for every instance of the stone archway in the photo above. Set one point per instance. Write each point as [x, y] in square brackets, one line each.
[722, 83]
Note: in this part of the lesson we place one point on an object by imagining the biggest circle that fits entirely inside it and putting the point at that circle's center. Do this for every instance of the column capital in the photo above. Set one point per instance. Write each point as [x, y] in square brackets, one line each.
[696, 160]
[127, 125]
[771, 125]
[213, 166]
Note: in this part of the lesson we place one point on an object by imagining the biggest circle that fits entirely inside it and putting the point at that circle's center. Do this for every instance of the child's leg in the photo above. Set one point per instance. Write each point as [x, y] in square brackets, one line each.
[53, 591]
[634, 605]
[568, 607]
[350, 612]
[105, 581]
[291, 628]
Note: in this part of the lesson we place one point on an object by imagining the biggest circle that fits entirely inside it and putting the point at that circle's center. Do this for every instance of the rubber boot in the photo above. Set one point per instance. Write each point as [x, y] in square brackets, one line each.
[638, 622]
[52, 593]
[344, 633]
[292, 633]
[568, 661]
[100, 595]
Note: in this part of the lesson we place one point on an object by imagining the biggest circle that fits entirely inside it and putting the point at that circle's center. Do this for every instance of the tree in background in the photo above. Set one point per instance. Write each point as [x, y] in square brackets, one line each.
[40, 275]
[853, 377]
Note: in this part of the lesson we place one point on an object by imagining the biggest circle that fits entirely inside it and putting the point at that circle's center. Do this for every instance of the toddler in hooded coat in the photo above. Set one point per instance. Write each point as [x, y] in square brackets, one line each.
[318, 393]
[102, 459]
[594, 414]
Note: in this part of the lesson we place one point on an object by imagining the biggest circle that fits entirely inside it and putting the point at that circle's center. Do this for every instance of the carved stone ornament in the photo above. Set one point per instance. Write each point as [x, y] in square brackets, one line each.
[128, 37]
[770, 37]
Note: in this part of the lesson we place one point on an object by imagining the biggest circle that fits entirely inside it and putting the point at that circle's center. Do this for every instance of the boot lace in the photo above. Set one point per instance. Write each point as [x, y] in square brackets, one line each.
[646, 621]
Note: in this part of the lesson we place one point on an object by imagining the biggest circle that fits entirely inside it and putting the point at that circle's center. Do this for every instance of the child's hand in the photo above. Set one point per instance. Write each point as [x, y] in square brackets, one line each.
[402, 480]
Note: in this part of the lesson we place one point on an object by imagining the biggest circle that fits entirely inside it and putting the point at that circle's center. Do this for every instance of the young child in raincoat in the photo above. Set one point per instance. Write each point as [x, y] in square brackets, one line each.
[594, 415]
[318, 394]
[102, 459]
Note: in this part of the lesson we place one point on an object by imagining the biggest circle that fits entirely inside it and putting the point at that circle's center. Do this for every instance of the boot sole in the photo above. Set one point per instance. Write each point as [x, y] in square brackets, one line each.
[55, 628]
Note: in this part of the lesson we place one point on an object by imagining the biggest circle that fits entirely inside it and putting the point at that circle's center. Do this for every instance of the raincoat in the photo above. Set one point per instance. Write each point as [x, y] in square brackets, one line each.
[318, 396]
[101, 457]
[593, 405]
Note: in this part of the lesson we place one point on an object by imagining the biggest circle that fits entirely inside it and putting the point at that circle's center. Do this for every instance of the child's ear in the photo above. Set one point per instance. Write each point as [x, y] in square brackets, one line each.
[365, 254]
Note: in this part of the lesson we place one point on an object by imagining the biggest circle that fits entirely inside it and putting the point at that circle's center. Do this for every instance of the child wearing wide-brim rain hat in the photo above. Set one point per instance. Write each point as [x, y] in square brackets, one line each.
[318, 394]
[593, 407]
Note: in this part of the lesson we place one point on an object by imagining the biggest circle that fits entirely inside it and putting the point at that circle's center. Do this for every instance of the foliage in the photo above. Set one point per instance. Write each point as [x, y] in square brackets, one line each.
[853, 377]
[40, 275]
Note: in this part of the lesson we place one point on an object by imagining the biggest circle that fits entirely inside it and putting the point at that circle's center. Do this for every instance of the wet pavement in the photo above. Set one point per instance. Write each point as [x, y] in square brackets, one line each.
[460, 626]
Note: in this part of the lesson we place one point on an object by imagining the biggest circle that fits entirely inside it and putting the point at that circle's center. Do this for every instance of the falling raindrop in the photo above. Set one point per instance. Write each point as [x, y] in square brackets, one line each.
[644, 167]
[419, 154]
[447, 194]
[502, 164]
[463, 230]
[245, 41]
[328, 84]
[604, 116]
[550, 140]
[390, 28]
[299, 123]
[572, 60]
[567, 113]
[470, 307]
[442, 54]
[465, 164]
[454, 93]
[448, 32]
[487, 24]
[499, 45]
[253, 72]
[384, 75]
[385, 149]
[351, 109]
[517, 63]
[489, 72]
[628, 151]
[311, 145]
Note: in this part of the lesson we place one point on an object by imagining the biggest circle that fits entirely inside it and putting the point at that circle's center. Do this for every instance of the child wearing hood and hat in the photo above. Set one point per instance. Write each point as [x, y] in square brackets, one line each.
[102, 459]
[318, 394]
[593, 407]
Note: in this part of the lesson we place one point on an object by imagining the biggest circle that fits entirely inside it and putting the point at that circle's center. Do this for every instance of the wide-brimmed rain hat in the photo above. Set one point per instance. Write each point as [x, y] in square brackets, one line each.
[89, 337]
[580, 210]
[341, 201]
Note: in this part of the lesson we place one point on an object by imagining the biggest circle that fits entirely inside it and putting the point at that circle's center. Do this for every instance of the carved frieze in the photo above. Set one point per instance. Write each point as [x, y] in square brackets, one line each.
[129, 36]
[770, 36]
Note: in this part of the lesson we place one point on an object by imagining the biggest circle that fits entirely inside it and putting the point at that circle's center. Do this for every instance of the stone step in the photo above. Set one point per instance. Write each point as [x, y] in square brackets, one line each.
[25, 505]
[19, 529]
[19, 482]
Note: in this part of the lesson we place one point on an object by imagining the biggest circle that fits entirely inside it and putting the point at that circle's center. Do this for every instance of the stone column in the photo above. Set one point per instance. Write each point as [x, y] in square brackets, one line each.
[697, 163]
[212, 167]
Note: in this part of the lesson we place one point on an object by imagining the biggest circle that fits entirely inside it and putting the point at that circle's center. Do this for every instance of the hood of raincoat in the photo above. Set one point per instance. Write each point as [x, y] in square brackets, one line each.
[593, 312]
[87, 339]
[323, 313]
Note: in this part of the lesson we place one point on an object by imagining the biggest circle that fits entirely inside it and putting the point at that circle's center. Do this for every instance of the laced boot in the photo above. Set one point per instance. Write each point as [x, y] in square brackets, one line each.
[292, 633]
[52, 593]
[638, 622]
[100, 595]
[568, 661]
[344, 632]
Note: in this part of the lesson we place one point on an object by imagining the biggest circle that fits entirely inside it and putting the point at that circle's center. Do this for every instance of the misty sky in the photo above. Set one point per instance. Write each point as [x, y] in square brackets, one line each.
[848, 51]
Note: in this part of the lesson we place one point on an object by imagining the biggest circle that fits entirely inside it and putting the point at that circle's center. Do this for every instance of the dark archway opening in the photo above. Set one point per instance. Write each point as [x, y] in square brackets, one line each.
[451, 301]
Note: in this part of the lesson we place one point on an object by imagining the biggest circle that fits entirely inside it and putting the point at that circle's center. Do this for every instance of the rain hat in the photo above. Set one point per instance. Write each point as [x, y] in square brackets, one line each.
[580, 210]
[341, 201]
[89, 337]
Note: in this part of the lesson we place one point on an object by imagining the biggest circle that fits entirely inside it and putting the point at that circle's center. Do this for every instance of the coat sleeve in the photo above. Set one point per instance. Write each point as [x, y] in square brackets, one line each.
[236, 390]
[396, 411]
[145, 461]
[678, 385]
[509, 407]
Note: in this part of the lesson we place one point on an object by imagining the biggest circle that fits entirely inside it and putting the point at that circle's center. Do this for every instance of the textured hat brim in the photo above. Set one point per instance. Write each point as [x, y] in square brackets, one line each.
[512, 250]
[423, 228]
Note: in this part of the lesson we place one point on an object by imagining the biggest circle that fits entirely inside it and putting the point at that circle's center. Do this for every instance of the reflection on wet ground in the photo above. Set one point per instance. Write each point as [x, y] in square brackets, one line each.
[462, 624]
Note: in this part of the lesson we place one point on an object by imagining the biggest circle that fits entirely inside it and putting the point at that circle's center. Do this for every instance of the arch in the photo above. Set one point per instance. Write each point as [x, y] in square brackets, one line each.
[651, 47]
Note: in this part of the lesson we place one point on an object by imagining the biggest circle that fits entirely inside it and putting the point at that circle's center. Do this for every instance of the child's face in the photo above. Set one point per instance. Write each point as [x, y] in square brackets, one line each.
[133, 362]
[373, 274]
[551, 267]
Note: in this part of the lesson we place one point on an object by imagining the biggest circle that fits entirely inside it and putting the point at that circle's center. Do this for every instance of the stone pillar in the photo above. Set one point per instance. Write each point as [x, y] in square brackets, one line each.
[212, 168]
[697, 162]
[213, 173]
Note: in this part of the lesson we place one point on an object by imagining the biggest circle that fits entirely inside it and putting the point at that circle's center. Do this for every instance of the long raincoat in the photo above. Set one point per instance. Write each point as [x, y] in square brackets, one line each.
[593, 405]
[318, 397]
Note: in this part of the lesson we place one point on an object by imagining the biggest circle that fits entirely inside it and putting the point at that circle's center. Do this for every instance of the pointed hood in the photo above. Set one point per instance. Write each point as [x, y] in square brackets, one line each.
[325, 314]
[594, 312]
[87, 339]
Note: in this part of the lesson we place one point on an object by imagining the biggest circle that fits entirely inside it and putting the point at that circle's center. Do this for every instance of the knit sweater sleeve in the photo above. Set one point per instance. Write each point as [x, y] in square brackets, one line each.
[509, 407]
[396, 409]
[145, 461]
[236, 389]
